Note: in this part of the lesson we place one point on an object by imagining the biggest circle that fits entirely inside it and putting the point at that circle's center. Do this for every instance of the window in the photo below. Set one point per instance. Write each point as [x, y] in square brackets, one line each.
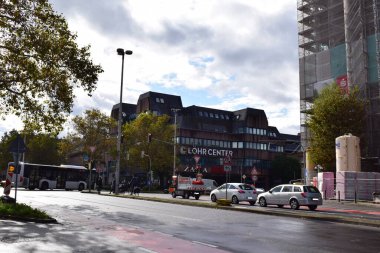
[206, 114]
[297, 189]
[221, 116]
[231, 187]
[211, 115]
[162, 100]
[227, 117]
[158, 100]
[200, 114]
[276, 189]
[287, 189]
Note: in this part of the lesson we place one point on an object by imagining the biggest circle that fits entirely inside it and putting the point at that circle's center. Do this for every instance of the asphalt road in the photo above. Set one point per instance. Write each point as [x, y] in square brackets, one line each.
[97, 223]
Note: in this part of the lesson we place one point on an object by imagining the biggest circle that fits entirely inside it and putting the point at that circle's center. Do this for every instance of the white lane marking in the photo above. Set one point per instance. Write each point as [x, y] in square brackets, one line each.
[205, 244]
[163, 234]
[147, 250]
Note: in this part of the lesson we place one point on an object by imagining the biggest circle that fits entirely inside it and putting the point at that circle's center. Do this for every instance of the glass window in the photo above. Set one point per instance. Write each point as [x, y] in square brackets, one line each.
[310, 189]
[245, 187]
[277, 189]
[297, 189]
[231, 187]
[240, 144]
[222, 187]
[162, 100]
[234, 144]
[221, 116]
[216, 115]
[157, 100]
[206, 114]
[227, 117]
[211, 115]
[287, 189]
[200, 113]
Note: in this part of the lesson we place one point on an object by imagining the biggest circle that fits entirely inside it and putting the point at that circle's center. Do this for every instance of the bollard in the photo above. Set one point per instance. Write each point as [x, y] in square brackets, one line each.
[355, 197]
[338, 196]
[325, 195]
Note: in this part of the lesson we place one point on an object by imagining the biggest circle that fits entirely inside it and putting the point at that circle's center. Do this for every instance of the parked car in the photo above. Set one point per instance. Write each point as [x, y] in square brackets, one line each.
[236, 192]
[293, 195]
[210, 184]
[259, 190]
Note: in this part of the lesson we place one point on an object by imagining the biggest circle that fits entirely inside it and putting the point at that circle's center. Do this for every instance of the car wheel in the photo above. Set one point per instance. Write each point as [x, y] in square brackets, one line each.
[252, 203]
[196, 197]
[280, 206]
[262, 202]
[44, 186]
[174, 195]
[235, 200]
[213, 198]
[81, 187]
[313, 207]
[186, 196]
[294, 204]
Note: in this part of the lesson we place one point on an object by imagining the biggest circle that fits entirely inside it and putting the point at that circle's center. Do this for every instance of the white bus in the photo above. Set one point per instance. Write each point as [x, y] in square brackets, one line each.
[43, 177]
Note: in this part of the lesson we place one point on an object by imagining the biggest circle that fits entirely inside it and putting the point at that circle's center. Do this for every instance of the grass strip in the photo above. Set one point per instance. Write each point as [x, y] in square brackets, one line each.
[22, 211]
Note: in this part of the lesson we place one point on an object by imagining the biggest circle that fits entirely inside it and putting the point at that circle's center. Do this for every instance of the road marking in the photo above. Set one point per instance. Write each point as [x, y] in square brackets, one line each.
[147, 250]
[163, 234]
[205, 244]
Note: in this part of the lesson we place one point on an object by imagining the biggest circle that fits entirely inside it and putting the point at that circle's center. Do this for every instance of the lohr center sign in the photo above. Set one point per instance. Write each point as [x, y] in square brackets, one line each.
[205, 151]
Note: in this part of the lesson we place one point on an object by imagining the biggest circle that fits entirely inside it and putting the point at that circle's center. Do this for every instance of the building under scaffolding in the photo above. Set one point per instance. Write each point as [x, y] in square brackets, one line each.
[339, 41]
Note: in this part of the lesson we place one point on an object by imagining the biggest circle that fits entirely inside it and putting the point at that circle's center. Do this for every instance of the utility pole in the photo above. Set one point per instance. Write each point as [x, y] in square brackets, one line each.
[175, 138]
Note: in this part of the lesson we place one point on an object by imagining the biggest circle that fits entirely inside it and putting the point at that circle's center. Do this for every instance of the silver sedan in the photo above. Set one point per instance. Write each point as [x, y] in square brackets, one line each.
[236, 192]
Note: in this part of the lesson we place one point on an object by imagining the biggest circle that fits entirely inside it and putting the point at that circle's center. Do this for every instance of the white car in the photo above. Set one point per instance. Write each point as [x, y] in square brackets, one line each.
[236, 192]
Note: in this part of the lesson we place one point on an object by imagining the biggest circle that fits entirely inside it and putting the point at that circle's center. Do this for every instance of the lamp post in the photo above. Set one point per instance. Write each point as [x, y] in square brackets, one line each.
[175, 139]
[120, 51]
[150, 168]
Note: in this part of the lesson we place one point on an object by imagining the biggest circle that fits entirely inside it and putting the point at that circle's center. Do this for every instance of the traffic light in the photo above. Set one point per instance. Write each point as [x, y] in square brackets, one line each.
[11, 168]
[149, 137]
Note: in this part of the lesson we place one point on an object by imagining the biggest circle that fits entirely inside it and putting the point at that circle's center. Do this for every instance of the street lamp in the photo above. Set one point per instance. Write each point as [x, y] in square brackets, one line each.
[175, 138]
[120, 51]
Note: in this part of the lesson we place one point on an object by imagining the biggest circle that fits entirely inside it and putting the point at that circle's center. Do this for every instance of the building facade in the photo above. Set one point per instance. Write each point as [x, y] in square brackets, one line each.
[211, 140]
[339, 41]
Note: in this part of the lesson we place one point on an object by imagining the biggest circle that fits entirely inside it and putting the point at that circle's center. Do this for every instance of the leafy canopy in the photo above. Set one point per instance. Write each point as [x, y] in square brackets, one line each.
[160, 149]
[40, 64]
[334, 114]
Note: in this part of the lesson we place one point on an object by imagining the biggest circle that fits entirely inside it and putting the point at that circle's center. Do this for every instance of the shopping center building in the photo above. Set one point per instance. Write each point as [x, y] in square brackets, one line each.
[208, 139]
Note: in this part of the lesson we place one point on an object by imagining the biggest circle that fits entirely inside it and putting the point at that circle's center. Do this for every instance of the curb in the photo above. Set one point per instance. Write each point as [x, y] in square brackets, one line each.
[25, 219]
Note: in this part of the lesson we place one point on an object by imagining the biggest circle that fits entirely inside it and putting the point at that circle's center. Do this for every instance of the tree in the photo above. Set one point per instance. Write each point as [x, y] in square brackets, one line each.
[160, 148]
[43, 149]
[333, 114]
[93, 128]
[40, 64]
[285, 169]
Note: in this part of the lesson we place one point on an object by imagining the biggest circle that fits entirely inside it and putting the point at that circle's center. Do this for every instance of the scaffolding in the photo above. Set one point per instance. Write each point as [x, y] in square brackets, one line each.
[340, 38]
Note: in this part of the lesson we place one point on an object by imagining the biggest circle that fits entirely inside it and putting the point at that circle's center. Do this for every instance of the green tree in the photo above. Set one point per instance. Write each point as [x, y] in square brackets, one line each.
[160, 149]
[40, 64]
[333, 114]
[43, 148]
[5, 155]
[285, 169]
[93, 128]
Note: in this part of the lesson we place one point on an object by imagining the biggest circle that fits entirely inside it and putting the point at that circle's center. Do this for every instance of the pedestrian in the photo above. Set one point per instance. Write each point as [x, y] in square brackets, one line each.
[99, 184]
[113, 184]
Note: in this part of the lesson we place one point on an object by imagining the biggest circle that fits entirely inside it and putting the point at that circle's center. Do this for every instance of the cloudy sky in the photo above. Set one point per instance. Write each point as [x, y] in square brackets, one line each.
[224, 54]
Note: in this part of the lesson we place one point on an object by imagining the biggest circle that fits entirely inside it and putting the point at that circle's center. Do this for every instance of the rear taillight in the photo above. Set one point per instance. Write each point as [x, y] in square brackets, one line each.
[303, 194]
[254, 192]
[241, 191]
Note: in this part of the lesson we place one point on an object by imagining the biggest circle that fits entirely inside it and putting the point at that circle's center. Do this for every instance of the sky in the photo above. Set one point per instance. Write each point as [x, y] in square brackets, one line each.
[222, 54]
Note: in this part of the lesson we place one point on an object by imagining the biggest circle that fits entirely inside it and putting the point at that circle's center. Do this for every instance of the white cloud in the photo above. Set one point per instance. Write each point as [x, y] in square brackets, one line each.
[234, 53]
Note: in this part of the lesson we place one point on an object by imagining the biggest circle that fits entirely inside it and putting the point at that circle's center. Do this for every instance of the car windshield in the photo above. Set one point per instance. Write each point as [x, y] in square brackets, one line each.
[245, 187]
[311, 189]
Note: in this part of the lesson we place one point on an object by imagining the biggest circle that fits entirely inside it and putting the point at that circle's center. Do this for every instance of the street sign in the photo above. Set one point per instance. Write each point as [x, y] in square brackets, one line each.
[227, 168]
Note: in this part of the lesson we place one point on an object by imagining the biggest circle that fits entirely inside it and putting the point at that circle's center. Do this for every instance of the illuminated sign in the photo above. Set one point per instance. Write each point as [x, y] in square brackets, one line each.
[205, 151]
